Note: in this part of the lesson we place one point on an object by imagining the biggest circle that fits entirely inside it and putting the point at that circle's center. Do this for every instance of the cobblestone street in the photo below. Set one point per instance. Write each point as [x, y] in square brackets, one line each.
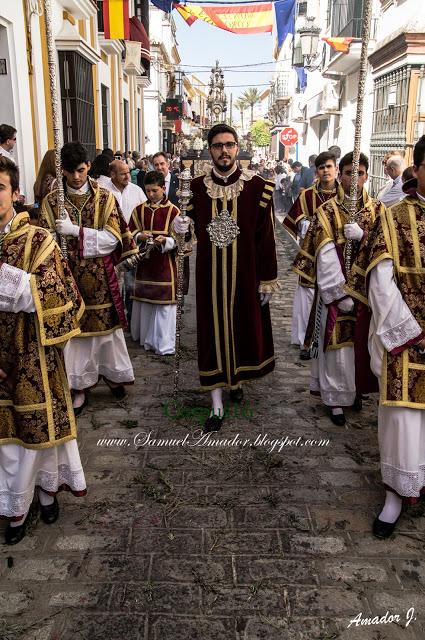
[232, 542]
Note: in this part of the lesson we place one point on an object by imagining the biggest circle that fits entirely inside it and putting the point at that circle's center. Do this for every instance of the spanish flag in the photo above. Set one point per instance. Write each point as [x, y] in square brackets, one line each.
[240, 19]
[116, 20]
[342, 45]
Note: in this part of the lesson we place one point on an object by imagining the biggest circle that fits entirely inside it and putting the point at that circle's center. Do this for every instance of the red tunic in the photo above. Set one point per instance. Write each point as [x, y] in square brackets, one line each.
[156, 276]
[305, 206]
[235, 341]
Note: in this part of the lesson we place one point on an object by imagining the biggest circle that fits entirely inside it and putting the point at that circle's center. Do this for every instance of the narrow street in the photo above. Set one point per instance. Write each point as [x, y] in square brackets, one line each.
[233, 542]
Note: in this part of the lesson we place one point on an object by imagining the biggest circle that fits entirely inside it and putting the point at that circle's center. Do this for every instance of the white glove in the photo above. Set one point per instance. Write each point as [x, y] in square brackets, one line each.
[67, 228]
[346, 304]
[265, 298]
[303, 228]
[352, 231]
[181, 225]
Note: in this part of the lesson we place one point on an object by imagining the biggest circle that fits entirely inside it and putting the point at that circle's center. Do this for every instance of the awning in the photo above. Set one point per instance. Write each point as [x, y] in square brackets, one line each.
[138, 34]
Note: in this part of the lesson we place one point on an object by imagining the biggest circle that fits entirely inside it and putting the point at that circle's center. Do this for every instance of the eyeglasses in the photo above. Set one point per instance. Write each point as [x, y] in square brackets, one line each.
[218, 146]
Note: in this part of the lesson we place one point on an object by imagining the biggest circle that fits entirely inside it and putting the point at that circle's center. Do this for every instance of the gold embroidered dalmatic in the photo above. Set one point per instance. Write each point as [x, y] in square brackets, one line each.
[97, 283]
[35, 403]
[399, 234]
[328, 226]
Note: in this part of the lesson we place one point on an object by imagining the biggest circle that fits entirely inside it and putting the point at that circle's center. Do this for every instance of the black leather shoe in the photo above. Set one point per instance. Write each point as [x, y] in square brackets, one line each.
[213, 423]
[383, 529]
[236, 395]
[79, 410]
[13, 535]
[119, 392]
[305, 354]
[338, 419]
[50, 513]
[358, 404]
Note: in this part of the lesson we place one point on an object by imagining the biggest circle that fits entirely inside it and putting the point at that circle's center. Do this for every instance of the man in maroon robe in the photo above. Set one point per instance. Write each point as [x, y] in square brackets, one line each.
[236, 272]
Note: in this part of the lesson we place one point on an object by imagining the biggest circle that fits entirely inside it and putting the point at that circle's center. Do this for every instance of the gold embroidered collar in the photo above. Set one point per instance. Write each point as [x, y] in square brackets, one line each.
[228, 191]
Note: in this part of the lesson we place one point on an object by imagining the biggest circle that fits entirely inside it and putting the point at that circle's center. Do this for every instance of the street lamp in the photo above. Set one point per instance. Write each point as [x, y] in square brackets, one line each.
[309, 36]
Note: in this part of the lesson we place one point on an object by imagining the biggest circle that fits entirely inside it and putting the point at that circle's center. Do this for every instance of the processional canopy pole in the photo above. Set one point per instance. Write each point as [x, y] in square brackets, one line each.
[352, 205]
[57, 131]
[184, 194]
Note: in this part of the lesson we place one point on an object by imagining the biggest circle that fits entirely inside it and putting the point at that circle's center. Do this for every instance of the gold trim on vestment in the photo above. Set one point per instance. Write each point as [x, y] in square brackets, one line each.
[46, 387]
[225, 308]
[91, 334]
[68, 398]
[57, 310]
[105, 305]
[415, 237]
[214, 294]
[234, 269]
[219, 385]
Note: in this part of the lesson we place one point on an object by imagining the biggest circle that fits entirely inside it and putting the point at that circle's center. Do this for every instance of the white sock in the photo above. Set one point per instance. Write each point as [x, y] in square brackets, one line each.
[45, 499]
[217, 403]
[17, 523]
[337, 411]
[392, 508]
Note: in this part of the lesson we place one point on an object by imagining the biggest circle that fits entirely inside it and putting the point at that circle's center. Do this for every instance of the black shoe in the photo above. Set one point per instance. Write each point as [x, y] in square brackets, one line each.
[13, 535]
[338, 419]
[50, 513]
[383, 529]
[213, 423]
[358, 404]
[305, 354]
[79, 410]
[236, 395]
[119, 392]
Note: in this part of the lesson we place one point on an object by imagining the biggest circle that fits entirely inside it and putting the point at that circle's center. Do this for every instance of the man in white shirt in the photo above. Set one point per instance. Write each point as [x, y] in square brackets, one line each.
[128, 195]
[7, 141]
[162, 164]
[393, 192]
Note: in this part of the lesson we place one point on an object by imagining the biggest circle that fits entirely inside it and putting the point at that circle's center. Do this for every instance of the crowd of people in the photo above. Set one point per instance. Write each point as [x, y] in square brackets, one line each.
[69, 290]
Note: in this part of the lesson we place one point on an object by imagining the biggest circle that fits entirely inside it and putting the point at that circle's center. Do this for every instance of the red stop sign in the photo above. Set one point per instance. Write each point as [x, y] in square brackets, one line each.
[288, 137]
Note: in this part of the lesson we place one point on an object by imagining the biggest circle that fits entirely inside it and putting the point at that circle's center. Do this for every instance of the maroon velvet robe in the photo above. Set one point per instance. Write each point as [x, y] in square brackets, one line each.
[235, 341]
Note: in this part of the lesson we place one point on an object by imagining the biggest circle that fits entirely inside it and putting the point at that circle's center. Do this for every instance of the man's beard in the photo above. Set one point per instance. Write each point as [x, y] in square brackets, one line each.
[224, 167]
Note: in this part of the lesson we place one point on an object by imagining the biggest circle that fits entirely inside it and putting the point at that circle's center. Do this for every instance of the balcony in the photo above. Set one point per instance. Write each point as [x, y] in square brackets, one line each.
[280, 91]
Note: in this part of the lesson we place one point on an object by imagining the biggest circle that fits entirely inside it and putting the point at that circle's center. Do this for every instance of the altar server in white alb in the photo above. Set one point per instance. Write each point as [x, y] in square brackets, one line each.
[321, 261]
[153, 320]
[389, 275]
[98, 238]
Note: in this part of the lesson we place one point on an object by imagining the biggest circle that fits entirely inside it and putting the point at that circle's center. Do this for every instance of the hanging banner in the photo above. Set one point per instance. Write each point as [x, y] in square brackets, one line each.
[242, 19]
[342, 45]
[116, 20]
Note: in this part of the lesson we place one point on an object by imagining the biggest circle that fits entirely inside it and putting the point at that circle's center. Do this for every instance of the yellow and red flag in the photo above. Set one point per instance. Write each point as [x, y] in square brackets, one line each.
[116, 20]
[342, 45]
[241, 19]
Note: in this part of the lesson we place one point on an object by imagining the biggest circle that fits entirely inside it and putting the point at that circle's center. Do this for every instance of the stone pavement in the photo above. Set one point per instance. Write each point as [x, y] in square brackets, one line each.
[233, 542]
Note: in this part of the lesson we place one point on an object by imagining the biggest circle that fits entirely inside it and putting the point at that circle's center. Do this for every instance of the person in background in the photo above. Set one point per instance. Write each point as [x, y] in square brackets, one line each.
[7, 141]
[295, 186]
[45, 177]
[408, 174]
[161, 163]
[128, 195]
[308, 174]
[336, 151]
[277, 193]
[100, 170]
[393, 192]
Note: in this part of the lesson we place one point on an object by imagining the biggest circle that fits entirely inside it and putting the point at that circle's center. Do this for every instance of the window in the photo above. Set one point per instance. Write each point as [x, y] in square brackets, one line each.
[347, 18]
[126, 142]
[100, 23]
[105, 114]
[302, 8]
[76, 83]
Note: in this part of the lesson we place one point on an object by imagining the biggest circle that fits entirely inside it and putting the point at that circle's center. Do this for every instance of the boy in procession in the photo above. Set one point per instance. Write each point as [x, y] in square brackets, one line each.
[321, 262]
[389, 276]
[153, 320]
[296, 223]
[40, 310]
[98, 238]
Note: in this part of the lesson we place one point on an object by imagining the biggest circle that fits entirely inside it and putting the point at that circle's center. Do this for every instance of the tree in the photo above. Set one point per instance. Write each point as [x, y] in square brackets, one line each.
[260, 132]
[241, 105]
[251, 97]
